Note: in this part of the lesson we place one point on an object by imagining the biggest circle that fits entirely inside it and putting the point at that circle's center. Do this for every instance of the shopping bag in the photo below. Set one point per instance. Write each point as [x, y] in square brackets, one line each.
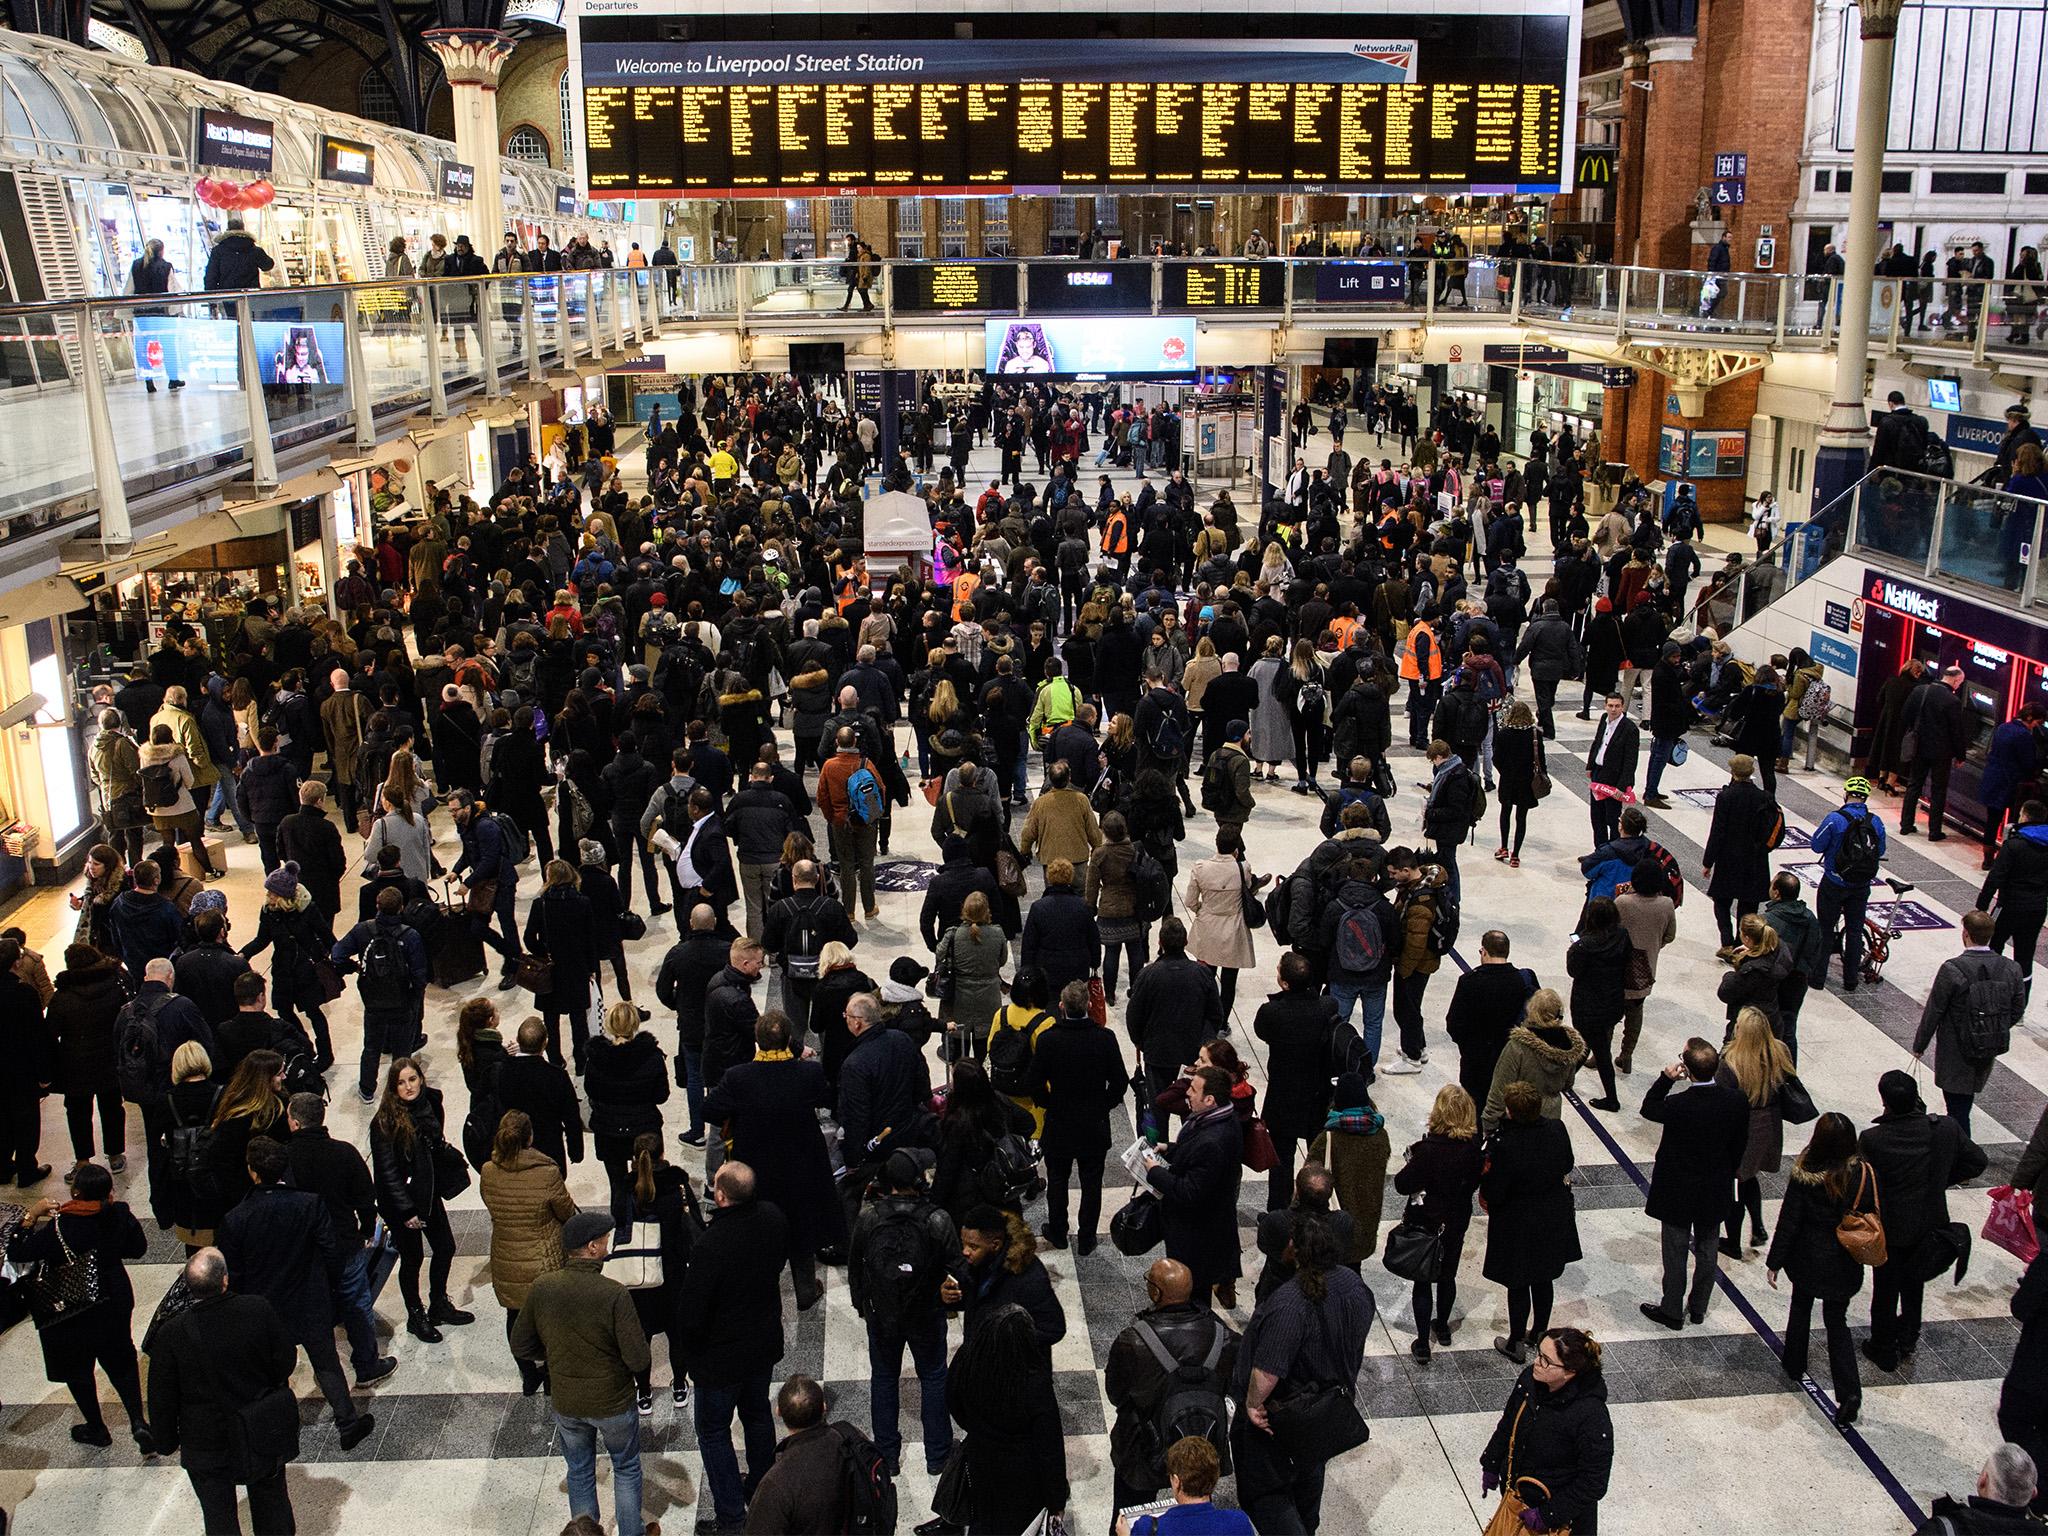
[2011, 1223]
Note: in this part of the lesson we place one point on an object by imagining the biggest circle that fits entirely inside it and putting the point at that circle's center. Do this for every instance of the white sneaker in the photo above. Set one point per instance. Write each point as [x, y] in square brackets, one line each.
[1401, 1066]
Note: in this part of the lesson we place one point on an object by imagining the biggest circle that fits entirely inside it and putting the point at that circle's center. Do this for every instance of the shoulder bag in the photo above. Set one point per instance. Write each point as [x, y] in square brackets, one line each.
[1862, 1232]
[1539, 777]
[636, 1262]
[536, 973]
[1795, 1104]
[451, 1170]
[1259, 1154]
[1318, 1421]
[60, 1290]
[262, 1433]
[1254, 909]
[1507, 1519]
[1415, 1249]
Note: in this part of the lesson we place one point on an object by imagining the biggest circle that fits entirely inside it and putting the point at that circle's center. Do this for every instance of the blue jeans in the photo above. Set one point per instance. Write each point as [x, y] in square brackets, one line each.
[224, 800]
[1660, 756]
[927, 1341]
[621, 1436]
[356, 1316]
[715, 1409]
[693, 1067]
[1373, 996]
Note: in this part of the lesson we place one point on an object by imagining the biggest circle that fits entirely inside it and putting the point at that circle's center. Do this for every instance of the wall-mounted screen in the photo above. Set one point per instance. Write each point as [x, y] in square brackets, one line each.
[1144, 347]
[1945, 394]
[202, 351]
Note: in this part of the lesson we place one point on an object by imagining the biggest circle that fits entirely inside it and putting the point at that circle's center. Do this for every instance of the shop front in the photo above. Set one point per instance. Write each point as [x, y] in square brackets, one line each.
[46, 817]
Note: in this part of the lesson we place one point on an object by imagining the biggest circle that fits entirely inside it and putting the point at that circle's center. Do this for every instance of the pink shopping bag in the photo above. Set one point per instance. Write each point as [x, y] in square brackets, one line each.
[2011, 1223]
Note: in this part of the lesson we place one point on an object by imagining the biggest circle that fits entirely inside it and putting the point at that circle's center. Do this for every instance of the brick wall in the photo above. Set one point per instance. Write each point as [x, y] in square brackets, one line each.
[529, 94]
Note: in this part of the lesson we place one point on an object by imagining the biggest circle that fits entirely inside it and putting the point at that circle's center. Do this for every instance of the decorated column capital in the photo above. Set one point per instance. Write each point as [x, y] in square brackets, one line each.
[1880, 18]
[470, 55]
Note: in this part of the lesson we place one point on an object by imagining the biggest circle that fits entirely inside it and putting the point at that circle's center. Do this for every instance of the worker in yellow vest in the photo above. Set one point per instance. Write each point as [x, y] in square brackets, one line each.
[1422, 664]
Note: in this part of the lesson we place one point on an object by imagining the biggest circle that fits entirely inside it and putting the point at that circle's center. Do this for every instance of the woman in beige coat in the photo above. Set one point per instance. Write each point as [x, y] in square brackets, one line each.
[528, 1202]
[1651, 918]
[178, 812]
[1217, 933]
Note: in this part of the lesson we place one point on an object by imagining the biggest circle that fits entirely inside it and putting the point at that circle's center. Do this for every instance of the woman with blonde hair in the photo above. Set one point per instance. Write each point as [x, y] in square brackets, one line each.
[1756, 1064]
[969, 966]
[839, 977]
[1759, 967]
[1203, 668]
[626, 1076]
[193, 1208]
[1440, 1179]
[1517, 754]
[1307, 704]
[528, 1202]
[1543, 1051]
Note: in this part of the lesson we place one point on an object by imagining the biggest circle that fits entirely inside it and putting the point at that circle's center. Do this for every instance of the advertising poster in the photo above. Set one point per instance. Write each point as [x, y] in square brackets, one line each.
[1150, 347]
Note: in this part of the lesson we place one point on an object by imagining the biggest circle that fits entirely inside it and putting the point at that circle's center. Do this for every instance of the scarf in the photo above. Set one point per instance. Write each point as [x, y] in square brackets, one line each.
[762, 1055]
[1355, 1122]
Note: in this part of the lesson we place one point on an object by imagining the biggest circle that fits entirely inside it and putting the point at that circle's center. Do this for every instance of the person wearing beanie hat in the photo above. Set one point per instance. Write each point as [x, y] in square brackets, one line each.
[281, 881]
[1914, 1159]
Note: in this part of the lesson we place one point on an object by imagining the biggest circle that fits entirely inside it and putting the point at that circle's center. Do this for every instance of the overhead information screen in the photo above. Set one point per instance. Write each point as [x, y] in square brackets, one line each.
[1222, 285]
[1469, 102]
[941, 286]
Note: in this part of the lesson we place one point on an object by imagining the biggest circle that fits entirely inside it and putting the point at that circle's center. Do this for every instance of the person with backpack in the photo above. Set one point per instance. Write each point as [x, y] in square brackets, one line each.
[1077, 1077]
[826, 1477]
[390, 962]
[147, 1035]
[1454, 805]
[795, 931]
[902, 1251]
[2007, 1488]
[1357, 789]
[1899, 437]
[851, 797]
[1168, 1378]
[1851, 845]
[1308, 1046]
[1977, 1000]
[493, 848]
[167, 776]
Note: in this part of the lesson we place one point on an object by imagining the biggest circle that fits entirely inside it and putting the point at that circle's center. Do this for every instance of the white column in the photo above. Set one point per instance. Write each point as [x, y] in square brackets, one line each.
[473, 58]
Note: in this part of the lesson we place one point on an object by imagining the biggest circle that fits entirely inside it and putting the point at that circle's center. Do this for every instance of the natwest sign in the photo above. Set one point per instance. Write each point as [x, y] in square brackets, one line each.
[1900, 598]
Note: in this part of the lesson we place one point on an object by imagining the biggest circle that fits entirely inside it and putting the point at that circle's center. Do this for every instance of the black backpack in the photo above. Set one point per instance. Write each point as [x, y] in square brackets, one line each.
[1991, 1006]
[191, 1152]
[901, 1270]
[140, 1062]
[867, 1491]
[1009, 1057]
[385, 981]
[514, 836]
[1168, 739]
[1857, 855]
[1010, 1178]
[1194, 1402]
[804, 942]
[159, 787]
[1217, 795]
[1155, 891]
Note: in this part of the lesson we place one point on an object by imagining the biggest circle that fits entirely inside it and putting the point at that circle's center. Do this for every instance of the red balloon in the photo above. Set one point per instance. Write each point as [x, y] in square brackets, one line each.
[261, 194]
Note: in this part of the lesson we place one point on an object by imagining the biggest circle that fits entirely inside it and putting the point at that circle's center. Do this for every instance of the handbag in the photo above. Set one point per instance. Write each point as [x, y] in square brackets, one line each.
[1139, 1227]
[1319, 1420]
[1259, 1155]
[1862, 1232]
[945, 973]
[483, 899]
[1098, 1002]
[1415, 1249]
[327, 982]
[451, 1171]
[1637, 977]
[932, 789]
[1679, 753]
[1507, 1518]
[1009, 872]
[1539, 777]
[177, 1301]
[1795, 1104]
[59, 1291]
[2010, 1224]
[1248, 899]
[636, 1262]
[632, 927]
[953, 1497]
[536, 973]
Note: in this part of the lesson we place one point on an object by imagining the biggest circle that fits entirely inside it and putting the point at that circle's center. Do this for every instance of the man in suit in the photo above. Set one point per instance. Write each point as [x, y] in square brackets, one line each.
[1692, 1186]
[1940, 729]
[1197, 1187]
[1612, 763]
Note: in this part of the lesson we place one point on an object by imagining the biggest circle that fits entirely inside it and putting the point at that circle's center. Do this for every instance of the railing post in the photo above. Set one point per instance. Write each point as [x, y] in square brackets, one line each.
[1621, 306]
[1741, 289]
[591, 304]
[1023, 288]
[1830, 299]
[1515, 291]
[115, 527]
[1158, 266]
[1983, 326]
[2028, 586]
[430, 336]
[739, 302]
[1891, 340]
[359, 399]
[1660, 296]
[888, 295]
[616, 305]
[487, 343]
[1429, 292]
[529, 328]
[1784, 303]
[262, 452]
[1287, 290]
[1933, 560]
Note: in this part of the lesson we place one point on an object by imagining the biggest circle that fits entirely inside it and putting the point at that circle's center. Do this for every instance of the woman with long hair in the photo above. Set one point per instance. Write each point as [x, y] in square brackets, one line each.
[972, 953]
[1649, 915]
[999, 1391]
[416, 1171]
[1112, 893]
[627, 1080]
[528, 1202]
[796, 849]
[662, 1203]
[480, 1052]
[106, 876]
[1828, 1181]
[1517, 754]
[1755, 1063]
[1760, 964]
[190, 1206]
[250, 1105]
[1598, 965]
[296, 930]
[1532, 1229]
[972, 1119]
[1440, 1178]
[559, 928]
[1308, 713]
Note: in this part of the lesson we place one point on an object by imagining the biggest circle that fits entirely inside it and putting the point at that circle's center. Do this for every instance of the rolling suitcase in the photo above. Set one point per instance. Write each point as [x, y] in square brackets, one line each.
[454, 952]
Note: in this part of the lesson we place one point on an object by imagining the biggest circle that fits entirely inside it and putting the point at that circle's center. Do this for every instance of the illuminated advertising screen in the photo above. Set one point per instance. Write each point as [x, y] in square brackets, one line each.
[204, 351]
[345, 160]
[1147, 347]
[232, 141]
[1442, 101]
[458, 181]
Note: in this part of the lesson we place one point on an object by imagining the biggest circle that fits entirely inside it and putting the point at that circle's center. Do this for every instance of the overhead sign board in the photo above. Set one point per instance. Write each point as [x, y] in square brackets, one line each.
[231, 141]
[345, 160]
[458, 180]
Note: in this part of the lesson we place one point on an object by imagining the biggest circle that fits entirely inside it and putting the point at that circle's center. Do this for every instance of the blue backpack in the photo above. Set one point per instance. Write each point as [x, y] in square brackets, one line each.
[864, 795]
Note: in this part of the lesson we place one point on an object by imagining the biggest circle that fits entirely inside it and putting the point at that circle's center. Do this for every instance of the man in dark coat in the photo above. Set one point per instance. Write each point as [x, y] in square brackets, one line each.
[731, 1304]
[885, 1092]
[391, 1004]
[220, 1356]
[684, 984]
[311, 841]
[1303, 1054]
[1737, 858]
[542, 1091]
[730, 1016]
[1486, 1005]
[958, 878]
[1611, 765]
[266, 793]
[1939, 729]
[1900, 439]
[1692, 1186]
[1915, 1157]
[806, 1488]
[1231, 695]
[458, 742]
[281, 1246]
[336, 1172]
[769, 1104]
[2006, 1487]
[206, 971]
[1174, 1006]
[1197, 1186]
[1001, 1268]
[1136, 1381]
[1671, 713]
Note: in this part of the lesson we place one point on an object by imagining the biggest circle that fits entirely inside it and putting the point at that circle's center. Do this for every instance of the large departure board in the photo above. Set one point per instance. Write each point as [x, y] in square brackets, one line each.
[665, 118]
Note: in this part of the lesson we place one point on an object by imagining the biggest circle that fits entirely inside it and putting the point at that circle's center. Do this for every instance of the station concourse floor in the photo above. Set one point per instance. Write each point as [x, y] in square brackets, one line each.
[1709, 1433]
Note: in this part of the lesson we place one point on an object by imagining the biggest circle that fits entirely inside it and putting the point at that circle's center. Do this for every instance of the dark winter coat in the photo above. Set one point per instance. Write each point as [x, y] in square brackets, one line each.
[1300, 1063]
[280, 1245]
[767, 1107]
[1532, 1229]
[1598, 966]
[684, 981]
[731, 1300]
[80, 1019]
[627, 1082]
[1563, 1439]
[267, 790]
[1755, 983]
[1174, 1006]
[559, 925]
[1739, 842]
[1944, 728]
[1486, 1005]
[217, 1357]
[1078, 1078]
[1198, 1191]
[729, 1015]
[309, 839]
[1061, 938]
[2019, 872]
[405, 1174]
[1804, 1244]
[884, 1085]
[70, 1347]
[1706, 1132]
[1136, 1384]
[1915, 1158]
[1445, 1172]
[540, 1090]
